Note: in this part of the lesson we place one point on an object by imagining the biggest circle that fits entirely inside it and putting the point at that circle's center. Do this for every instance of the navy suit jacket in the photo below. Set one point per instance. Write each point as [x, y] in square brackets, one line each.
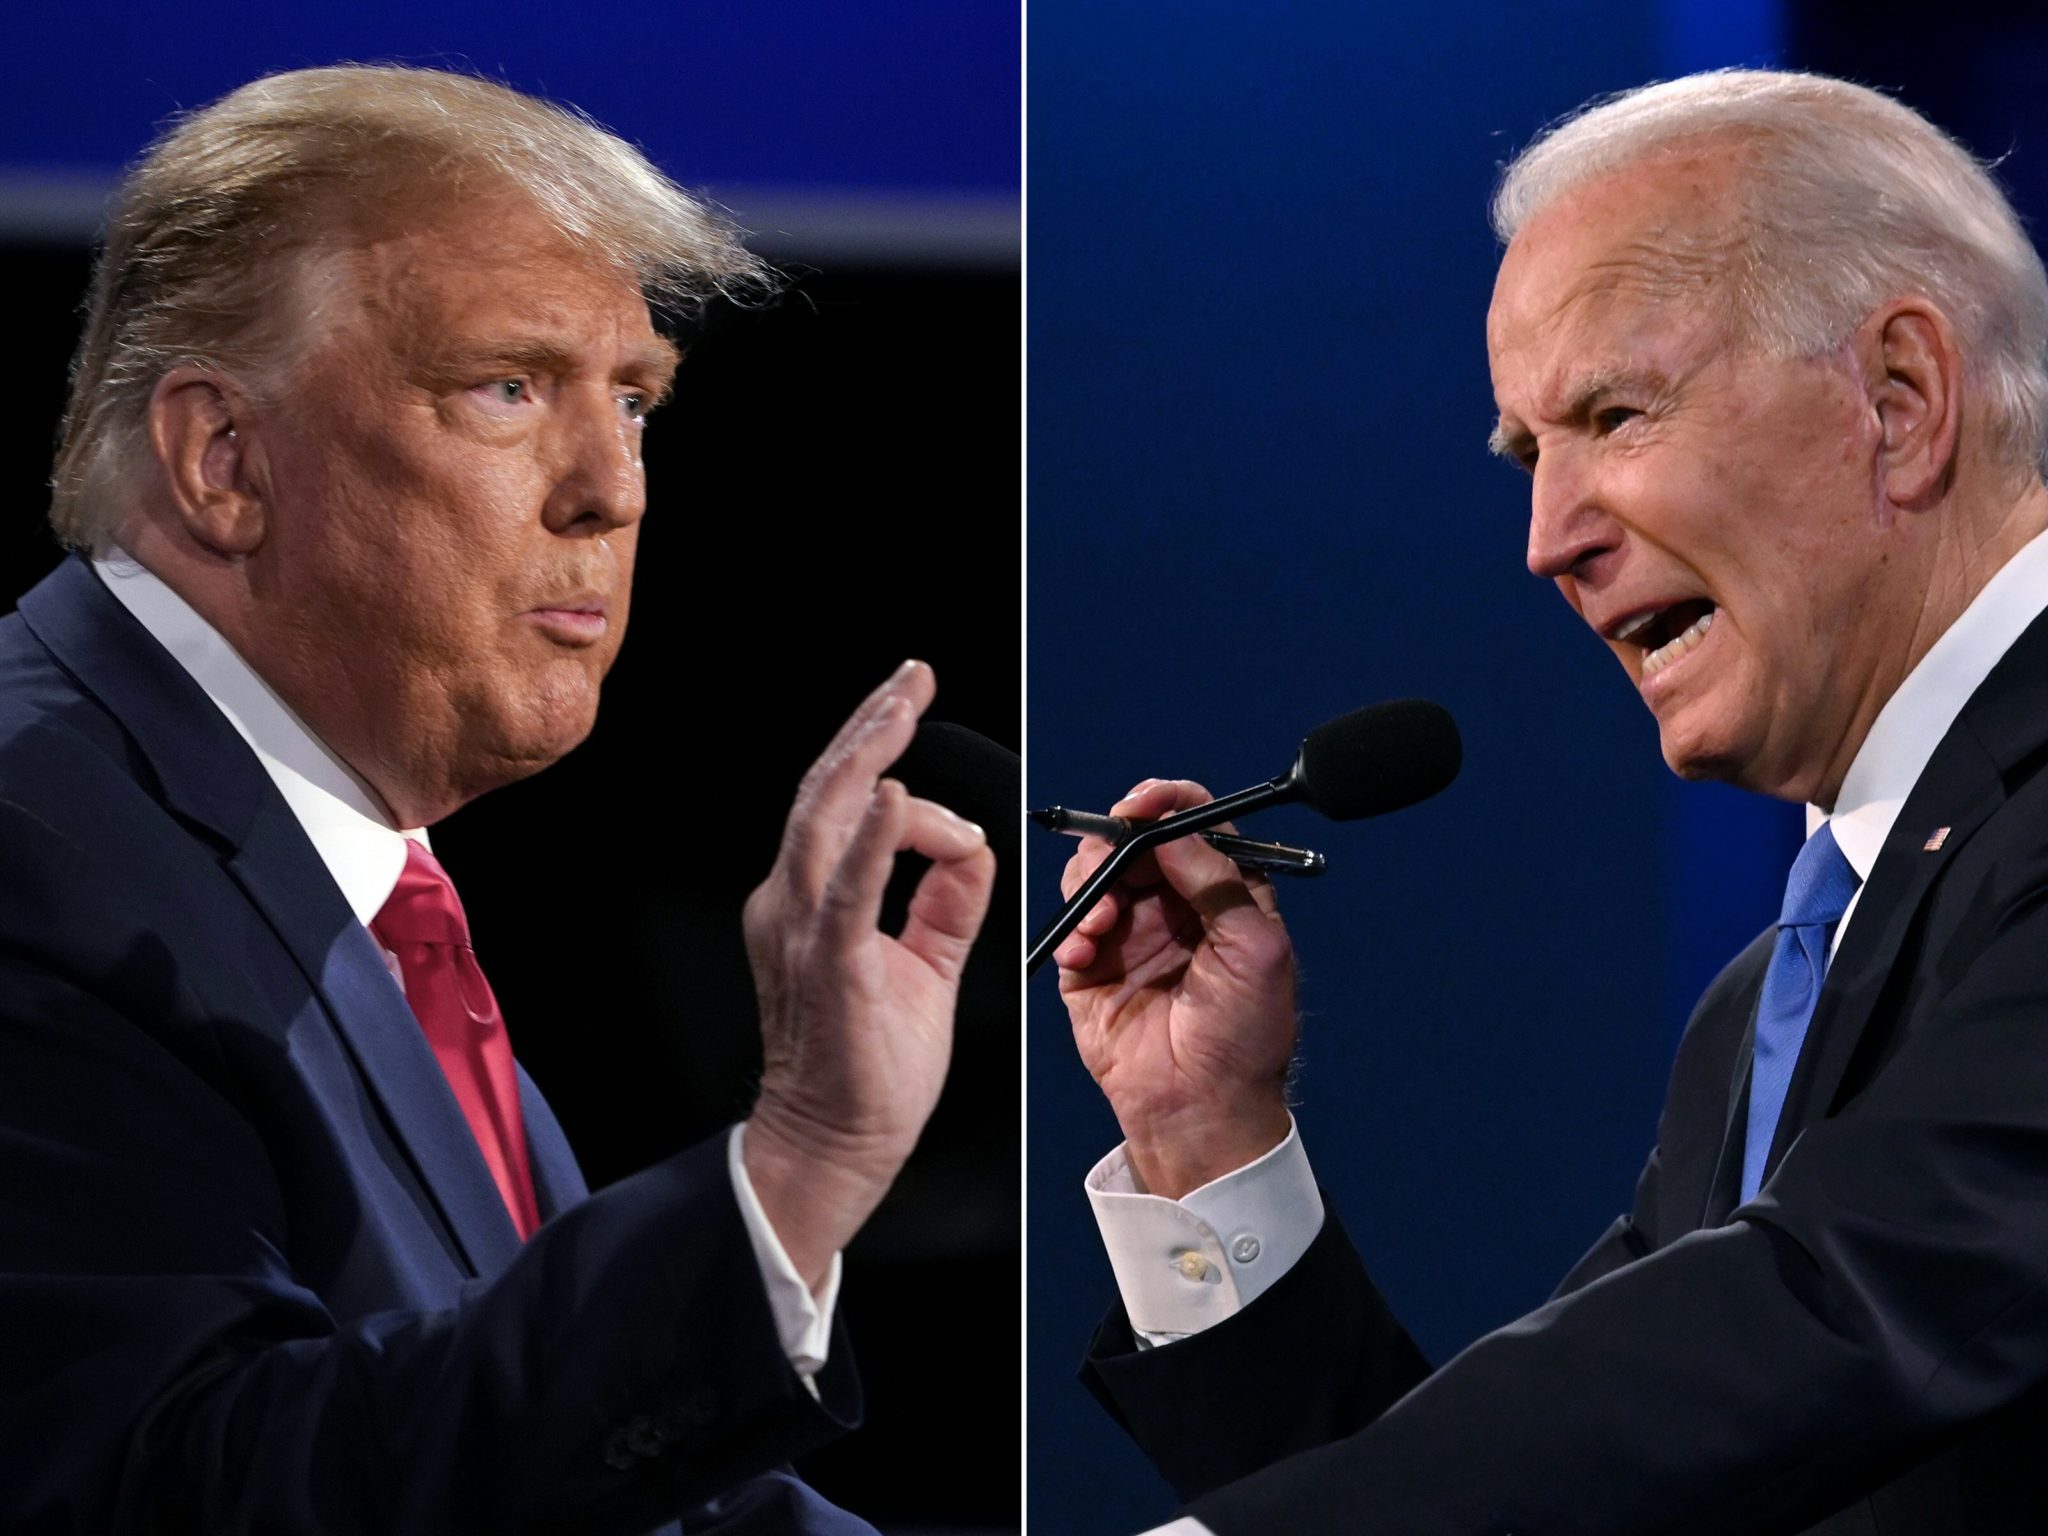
[1861, 1349]
[254, 1273]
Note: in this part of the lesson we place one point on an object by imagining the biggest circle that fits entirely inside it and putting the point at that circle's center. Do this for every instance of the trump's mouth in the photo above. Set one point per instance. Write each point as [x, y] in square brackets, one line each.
[1668, 633]
[578, 620]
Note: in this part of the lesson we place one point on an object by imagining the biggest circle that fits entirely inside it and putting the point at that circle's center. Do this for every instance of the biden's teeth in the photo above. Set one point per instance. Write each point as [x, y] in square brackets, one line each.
[1635, 624]
[1679, 644]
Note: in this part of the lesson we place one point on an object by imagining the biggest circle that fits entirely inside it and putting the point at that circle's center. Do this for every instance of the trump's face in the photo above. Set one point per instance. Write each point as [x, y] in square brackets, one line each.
[1712, 512]
[455, 486]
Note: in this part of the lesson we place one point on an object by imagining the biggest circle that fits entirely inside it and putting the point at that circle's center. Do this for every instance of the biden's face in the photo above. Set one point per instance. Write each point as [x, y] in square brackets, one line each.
[1710, 510]
[455, 482]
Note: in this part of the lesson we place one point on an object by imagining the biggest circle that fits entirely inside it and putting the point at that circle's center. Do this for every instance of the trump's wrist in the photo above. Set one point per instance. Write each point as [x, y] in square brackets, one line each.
[817, 1189]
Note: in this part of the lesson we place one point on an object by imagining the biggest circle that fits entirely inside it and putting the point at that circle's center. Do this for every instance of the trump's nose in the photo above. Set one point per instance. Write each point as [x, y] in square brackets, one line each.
[600, 483]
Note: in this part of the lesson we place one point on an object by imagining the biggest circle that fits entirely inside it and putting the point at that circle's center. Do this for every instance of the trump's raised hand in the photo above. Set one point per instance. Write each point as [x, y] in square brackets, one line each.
[856, 1026]
[1180, 985]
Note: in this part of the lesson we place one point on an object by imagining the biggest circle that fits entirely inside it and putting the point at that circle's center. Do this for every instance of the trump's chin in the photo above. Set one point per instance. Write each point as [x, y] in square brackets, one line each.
[552, 728]
[514, 739]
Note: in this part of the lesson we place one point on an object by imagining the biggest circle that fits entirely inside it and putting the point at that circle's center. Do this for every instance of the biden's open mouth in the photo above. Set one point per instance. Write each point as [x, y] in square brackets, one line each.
[1665, 634]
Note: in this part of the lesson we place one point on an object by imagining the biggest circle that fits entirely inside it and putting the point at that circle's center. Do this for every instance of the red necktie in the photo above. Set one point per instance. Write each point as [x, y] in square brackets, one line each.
[422, 924]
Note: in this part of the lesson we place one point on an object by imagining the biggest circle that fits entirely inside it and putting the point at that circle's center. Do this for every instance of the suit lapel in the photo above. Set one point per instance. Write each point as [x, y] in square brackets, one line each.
[208, 776]
[286, 881]
[1959, 798]
[1724, 1183]
[2004, 722]
[557, 1180]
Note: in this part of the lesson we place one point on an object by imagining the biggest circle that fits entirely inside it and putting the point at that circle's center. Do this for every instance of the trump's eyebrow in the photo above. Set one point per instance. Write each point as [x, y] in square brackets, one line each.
[653, 364]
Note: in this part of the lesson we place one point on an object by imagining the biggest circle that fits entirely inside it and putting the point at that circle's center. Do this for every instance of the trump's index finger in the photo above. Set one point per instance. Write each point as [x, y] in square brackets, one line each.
[834, 794]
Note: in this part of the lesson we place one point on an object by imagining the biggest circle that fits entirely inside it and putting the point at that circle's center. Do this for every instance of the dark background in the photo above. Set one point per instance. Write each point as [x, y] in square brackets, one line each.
[835, 487]
[1259, 497]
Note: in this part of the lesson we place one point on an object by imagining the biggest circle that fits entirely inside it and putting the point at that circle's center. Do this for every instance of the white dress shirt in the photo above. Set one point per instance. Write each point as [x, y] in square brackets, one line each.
[1917, 716]
[352, 832]
[1182, 1265]
[1267, 1196]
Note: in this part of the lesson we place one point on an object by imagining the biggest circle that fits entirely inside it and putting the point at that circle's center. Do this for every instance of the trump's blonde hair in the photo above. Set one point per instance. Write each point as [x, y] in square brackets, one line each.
[212, 226]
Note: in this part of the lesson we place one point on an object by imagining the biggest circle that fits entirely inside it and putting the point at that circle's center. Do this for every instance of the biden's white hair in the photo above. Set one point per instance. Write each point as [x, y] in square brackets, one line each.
[1846, 200]
[211, 228]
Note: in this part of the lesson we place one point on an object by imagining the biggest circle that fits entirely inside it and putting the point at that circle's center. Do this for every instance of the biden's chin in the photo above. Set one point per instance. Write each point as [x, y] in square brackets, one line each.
[1699, 744]
[1742, 753]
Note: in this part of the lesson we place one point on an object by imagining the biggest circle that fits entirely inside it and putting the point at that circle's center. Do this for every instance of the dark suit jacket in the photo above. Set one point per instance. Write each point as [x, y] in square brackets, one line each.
[254, 1274]
[1862, 1348]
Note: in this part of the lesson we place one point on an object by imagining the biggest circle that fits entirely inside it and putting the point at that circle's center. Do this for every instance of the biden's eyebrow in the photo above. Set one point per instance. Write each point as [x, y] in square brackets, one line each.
[1596, 386]
[1510, 441]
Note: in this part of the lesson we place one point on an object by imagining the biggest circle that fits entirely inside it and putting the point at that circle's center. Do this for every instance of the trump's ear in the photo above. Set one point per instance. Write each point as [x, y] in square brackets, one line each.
[1914, 372]
[207, 461]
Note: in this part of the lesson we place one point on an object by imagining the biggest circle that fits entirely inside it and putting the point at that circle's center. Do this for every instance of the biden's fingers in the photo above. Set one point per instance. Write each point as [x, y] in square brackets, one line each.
[1156, 798]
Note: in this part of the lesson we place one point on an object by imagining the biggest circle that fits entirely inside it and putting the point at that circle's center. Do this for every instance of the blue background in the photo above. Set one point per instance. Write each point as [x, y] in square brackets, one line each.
[890, 94]
[1259, 265]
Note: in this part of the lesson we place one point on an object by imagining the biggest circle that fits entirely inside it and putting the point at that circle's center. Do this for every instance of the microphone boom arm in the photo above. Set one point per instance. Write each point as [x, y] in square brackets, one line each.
[1196, 818]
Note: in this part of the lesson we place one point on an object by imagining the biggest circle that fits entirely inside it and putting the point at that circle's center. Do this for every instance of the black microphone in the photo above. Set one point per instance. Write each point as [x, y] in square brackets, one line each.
[963, 770]
[1384, 757]
[981, 780]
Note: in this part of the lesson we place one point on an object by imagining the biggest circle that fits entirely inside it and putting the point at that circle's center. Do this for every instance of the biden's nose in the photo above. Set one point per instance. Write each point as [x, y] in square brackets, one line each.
[1570, 528]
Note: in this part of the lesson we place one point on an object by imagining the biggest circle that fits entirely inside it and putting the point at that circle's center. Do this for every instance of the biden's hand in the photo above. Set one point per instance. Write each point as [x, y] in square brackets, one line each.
[856, 1026]
[1180, 984]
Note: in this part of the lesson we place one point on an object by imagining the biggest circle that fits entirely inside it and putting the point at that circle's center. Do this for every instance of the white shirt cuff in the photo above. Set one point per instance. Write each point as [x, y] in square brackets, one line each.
[1186, 1525]
[802, 1321]
[1185, 1265]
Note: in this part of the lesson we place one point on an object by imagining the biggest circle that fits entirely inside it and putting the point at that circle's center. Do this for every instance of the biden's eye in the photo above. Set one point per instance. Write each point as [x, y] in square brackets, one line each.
[1610, 417]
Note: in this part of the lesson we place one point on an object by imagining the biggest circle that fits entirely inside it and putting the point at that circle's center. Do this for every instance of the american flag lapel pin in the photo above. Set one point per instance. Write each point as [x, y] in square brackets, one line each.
[1935, 840]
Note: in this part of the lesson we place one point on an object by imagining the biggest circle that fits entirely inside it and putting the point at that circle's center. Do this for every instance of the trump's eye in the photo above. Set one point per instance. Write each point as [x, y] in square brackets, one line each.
[509, 391]
[637, 406]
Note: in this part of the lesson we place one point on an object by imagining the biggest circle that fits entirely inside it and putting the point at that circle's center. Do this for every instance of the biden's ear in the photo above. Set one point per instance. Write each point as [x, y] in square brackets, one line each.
[196, 421]
[1914, 371]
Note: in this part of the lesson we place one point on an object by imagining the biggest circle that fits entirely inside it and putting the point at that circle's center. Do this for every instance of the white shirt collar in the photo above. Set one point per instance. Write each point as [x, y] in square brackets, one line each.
[349, 828]
[1917, 716]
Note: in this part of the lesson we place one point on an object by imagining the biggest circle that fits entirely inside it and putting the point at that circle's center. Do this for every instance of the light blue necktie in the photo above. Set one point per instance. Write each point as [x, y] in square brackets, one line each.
[1817, 893]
